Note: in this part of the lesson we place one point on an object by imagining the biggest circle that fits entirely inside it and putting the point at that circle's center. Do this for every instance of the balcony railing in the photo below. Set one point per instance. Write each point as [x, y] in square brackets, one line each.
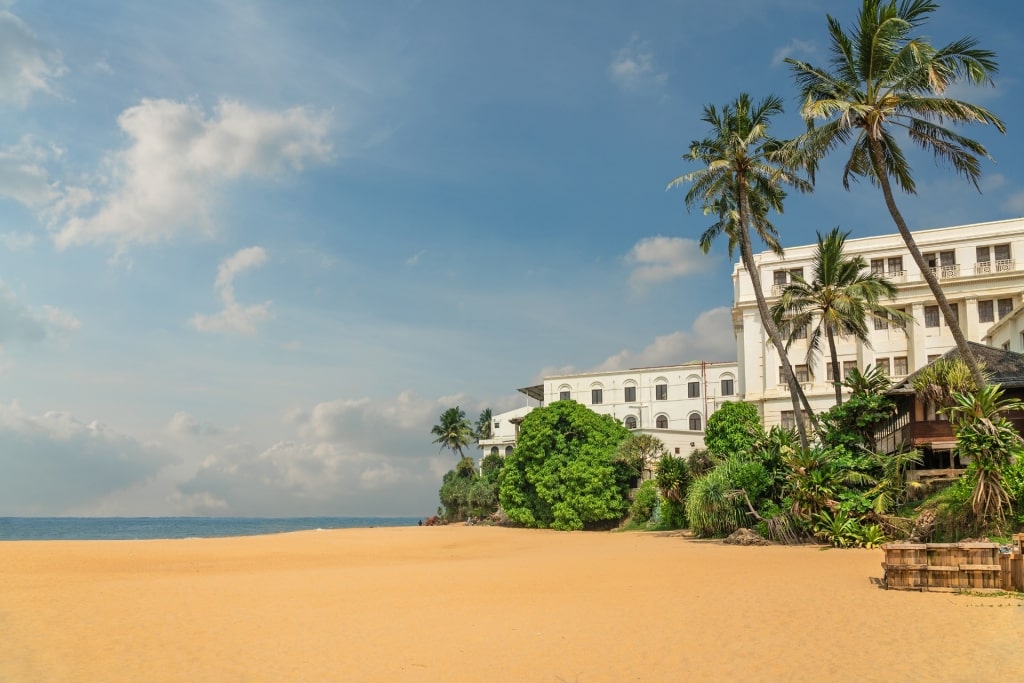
[947, 271]
[1000, 266]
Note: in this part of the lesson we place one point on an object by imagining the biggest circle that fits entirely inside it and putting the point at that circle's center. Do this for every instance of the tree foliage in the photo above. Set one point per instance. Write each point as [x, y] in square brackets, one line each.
[453, 431]
[465, 493]
[734, 427]
[564, 473]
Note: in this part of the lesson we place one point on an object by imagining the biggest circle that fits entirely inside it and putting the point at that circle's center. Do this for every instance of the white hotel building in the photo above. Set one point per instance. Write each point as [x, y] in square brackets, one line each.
[980, 267]
[671, 402]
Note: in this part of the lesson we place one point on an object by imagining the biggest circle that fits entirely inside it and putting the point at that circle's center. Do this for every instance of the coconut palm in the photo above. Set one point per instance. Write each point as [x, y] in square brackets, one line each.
[740, 181]
[453, 431]
[884, 85]
[839, 299]
[482, 430]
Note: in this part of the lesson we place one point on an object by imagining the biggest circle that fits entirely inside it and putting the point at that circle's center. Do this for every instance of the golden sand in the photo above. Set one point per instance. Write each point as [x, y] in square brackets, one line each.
[464, 603]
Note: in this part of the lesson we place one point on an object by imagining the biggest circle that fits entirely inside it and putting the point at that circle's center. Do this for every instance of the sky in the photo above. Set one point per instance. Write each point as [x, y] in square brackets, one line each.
[250, 251]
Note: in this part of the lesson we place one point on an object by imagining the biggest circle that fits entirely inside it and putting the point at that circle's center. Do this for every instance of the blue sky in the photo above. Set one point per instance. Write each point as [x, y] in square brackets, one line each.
[249, 251]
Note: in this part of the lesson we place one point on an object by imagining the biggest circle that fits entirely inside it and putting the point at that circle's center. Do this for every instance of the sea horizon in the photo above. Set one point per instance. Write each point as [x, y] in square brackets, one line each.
[25, 528]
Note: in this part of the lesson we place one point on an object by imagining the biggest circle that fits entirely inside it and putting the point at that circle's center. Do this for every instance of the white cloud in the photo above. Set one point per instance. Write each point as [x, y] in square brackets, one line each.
[633, 66]
[710, 338]
[23, 173]
[235, 317]
[17, 241]
[168, 181]
[55, 463]
[415, 258]
[367, 455]
[795, 47]
[26, 65]
[20, 323]
[659, 259]
[184, 424]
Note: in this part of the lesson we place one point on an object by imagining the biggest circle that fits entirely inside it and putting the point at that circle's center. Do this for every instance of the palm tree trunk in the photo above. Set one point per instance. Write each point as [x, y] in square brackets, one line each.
[836, 382]
[746, 254]
[929, 276]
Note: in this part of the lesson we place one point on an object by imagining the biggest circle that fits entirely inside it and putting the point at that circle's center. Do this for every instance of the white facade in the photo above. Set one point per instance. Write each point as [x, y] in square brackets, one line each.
[1008, 333]
[671, 402]
[504, 432]
[980, 267]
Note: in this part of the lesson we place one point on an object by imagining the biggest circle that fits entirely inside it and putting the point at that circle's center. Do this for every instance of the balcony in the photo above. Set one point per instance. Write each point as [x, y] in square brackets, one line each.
[989, 267]
[947, 271]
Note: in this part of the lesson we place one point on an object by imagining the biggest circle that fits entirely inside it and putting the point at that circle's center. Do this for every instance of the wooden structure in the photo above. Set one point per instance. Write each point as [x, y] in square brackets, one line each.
[918, 425]
[954, 567]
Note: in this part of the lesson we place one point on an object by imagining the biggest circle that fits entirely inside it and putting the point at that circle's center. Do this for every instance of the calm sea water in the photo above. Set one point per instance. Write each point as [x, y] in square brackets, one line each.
[124, 528]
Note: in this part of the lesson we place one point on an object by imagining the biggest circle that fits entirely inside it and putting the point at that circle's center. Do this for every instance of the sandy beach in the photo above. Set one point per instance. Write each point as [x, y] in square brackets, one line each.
[465, 603]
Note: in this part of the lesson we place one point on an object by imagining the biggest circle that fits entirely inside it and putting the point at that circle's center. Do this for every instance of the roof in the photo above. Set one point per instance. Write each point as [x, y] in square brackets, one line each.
[1005, 368]
[535, 392]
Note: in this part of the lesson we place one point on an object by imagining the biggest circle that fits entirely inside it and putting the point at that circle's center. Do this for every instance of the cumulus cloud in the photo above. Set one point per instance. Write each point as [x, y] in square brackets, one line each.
[27, 66]
[710, 338]
[633, 66]
[235, 317]
[659, 259]
[184, 424]
[168, 181]
[20, 323]
[55, 463]
[795, 47]
[349, 455]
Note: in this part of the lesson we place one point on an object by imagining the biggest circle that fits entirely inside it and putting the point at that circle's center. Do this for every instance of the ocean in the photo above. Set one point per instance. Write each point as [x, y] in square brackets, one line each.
[131, 528]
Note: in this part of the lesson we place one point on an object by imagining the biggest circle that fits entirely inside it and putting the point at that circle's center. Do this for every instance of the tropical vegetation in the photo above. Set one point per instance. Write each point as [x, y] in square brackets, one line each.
[453, 431]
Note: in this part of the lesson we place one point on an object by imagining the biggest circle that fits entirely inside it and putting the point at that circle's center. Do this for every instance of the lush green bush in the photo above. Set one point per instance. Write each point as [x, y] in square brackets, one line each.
[464, 493]
[712, 507]
[645, 502]
[563, 473]
[852, 424]
[1013, 480]
[700, 462]
[672, 476]
[672, 514]
[733, 428]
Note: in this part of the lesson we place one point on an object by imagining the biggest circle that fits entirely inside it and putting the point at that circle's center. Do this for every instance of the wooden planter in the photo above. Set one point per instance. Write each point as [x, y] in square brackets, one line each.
[953, 567]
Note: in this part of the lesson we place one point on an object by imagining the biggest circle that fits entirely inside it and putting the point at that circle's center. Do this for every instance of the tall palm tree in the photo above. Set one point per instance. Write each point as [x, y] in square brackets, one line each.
[884, 80]
[482, 430]
[839, 299]
[453, 431]
[740, 181]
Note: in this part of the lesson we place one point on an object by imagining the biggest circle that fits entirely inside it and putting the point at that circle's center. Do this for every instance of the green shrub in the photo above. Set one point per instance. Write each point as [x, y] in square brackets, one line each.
[712, 508]
[645, 502]
[733, 428]
[673, 514]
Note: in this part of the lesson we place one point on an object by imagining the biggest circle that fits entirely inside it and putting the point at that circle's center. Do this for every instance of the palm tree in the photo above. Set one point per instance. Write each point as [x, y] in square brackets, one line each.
[883, 79]
[839, 299]
[453, 431]
[482, 430]
[740, 181]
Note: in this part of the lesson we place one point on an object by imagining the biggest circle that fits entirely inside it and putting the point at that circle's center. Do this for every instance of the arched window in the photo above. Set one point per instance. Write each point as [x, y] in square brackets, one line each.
[661, 422]
[564, 392]
[494, 450]
[508, 450]
[630, 422]
[661, 389]
[694, 422]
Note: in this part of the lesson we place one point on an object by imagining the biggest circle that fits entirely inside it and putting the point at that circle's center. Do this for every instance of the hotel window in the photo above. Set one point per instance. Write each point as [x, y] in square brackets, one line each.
[848, 367]
[661, 422]
[695, 423]
[661, 391]
[878, 266]
[895, 265]
[1005, 306]
[788, 419]
[799, 371]
[630, 395]
[564, 395]
[881, 323]
[985, 314]
[508, 450]
[494, 450]
[883, 365]
[596, 396]
[983, 255]
[944, 258]
[899, 366]
[829, 375]
[780, 277]
[1002, 252]
[800, 332]
[898, 322]
[931, 316]
[1006, 346]
[630, 422]
[692, 390]
[932, 357]
[727, 387]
